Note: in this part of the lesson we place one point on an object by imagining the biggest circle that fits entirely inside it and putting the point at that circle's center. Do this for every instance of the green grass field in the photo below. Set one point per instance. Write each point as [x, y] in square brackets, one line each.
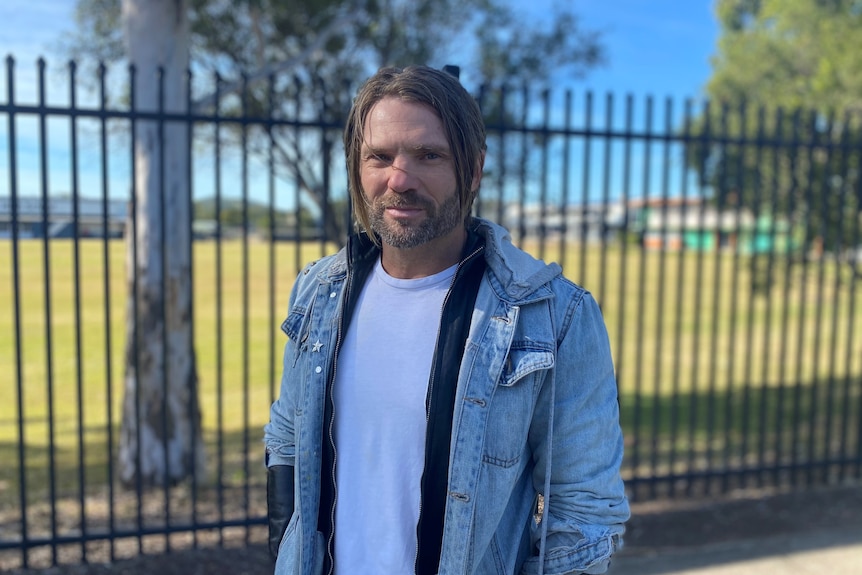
[706, 368]
[236, 385]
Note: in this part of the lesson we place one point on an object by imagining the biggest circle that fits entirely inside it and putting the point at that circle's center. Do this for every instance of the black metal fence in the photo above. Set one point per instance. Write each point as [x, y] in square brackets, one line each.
[723, 244]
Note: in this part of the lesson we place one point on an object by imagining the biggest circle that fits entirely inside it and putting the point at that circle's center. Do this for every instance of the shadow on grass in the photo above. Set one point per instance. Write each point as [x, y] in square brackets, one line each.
[677, 446]
[719, 440]
[232, 493]
[747, 430]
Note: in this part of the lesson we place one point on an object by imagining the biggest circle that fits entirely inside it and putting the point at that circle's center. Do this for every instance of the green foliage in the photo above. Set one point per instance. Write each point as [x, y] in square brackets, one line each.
[785, 102]
[517, 55]
[790, 53]
[337, 42]
[99, 35]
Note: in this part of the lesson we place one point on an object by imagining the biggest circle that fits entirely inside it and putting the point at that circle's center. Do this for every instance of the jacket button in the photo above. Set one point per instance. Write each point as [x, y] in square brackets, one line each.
[318, 369]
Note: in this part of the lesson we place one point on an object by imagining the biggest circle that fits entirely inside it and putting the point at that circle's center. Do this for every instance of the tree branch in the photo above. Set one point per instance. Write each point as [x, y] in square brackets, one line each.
[236, 87]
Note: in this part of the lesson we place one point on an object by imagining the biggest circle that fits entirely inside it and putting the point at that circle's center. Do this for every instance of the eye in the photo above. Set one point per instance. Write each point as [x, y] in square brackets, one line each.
[378, 159]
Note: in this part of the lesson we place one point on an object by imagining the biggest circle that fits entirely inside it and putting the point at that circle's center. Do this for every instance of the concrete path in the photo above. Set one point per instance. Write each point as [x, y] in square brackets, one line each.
[821, 553]
[816, 531]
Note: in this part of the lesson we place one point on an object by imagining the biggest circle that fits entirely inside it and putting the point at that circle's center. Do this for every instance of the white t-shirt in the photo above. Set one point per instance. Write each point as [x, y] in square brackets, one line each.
[381, 382]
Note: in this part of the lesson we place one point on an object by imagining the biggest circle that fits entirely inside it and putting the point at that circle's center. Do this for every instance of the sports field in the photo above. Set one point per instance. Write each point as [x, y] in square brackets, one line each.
[710, 372]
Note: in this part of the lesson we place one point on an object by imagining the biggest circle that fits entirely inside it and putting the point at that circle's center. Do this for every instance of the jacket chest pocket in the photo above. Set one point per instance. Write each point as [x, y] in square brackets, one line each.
[295, 325]
[296, 365]
[512, 404]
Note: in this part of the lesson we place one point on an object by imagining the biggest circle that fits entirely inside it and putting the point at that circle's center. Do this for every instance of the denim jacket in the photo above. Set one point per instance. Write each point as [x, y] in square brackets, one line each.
[536, 411]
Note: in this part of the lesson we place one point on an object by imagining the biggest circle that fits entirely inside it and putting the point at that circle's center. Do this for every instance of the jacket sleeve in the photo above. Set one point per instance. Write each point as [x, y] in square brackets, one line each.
[279, 439]
[279, 434]
[587, 506]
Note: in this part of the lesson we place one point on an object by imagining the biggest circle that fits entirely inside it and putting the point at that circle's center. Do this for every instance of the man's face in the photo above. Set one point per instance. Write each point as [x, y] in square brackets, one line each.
[408, 175]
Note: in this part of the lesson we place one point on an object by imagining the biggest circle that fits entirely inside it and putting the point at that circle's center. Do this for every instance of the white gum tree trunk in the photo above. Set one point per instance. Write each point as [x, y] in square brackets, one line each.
[160, 439]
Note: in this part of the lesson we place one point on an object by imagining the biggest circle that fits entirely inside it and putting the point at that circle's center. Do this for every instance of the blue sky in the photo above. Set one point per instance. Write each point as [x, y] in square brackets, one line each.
[657, 47]
[654, 47]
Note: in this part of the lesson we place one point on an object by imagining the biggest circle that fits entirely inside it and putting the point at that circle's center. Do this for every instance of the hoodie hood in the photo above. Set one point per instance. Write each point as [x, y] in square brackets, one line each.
[519, 274]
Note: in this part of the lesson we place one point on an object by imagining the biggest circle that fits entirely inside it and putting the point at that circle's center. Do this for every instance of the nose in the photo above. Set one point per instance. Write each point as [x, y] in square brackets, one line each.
[401, 178]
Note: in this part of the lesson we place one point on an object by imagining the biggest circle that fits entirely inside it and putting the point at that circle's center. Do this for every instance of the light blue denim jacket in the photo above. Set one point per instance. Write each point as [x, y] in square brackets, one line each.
[537, 341]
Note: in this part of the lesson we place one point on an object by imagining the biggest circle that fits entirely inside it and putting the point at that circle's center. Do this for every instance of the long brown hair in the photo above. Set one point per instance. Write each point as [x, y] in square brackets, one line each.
[456, 108]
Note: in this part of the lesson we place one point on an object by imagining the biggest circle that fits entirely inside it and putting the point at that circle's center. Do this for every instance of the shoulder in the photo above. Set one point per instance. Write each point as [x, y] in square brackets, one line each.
[519, 275]
[322, 266]
[322, 270]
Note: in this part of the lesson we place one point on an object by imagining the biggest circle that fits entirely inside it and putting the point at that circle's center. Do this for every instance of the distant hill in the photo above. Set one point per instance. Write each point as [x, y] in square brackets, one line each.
[231, 217]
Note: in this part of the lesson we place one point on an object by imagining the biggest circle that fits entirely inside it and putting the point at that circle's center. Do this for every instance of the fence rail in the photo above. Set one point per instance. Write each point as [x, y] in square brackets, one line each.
[723, 244]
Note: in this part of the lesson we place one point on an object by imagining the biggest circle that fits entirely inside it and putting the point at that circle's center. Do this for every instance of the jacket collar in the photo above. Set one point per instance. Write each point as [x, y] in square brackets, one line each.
[519, 277]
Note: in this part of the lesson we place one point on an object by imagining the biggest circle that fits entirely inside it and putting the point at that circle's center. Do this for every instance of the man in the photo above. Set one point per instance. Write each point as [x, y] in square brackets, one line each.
[436, 378]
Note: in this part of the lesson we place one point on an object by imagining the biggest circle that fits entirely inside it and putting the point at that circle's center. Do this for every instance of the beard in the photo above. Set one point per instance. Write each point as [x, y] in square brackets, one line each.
[398, 234]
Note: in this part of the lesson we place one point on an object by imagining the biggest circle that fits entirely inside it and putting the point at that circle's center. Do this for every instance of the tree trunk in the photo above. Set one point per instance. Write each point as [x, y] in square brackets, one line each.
[160, 440]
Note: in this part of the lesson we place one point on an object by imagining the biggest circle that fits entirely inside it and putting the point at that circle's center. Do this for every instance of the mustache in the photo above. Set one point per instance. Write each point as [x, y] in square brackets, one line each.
[407, 199]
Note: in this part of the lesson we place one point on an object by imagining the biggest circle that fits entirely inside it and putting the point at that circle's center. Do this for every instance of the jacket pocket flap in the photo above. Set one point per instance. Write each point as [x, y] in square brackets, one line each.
[524, 361]
[292, 326]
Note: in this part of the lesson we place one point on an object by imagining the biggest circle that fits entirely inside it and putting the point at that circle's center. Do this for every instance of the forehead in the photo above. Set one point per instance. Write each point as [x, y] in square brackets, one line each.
[396, 122]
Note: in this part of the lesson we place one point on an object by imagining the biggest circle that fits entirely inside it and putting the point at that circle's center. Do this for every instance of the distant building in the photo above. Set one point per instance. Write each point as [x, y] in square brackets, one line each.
[659, 223]
[588, 223]
[692, 224]
[92, 220]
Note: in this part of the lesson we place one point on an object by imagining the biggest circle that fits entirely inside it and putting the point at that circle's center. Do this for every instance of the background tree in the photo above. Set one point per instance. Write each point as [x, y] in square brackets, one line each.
[161, 438]
[787, 70]
[304, 58]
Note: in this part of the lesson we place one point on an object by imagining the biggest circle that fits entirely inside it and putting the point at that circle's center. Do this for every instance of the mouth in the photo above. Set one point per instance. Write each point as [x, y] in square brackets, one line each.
[403, 211]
